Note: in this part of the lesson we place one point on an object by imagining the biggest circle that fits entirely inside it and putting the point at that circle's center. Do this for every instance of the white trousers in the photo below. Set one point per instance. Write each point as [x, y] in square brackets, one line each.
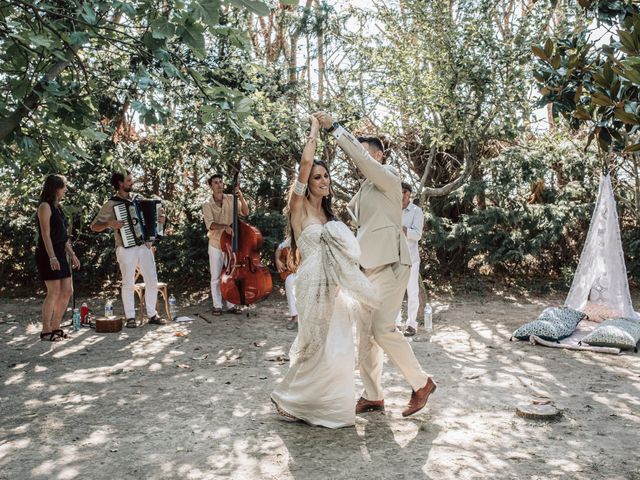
[216, 264]
[290, 289]
[129, 259]
[413, 297]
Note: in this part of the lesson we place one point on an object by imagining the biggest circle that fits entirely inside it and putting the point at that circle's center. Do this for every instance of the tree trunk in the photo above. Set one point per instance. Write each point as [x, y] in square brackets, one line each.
[321, 63]
[477, 176]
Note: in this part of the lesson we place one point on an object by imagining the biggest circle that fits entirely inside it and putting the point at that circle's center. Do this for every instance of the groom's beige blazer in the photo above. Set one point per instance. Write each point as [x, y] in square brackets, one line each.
[377, 208]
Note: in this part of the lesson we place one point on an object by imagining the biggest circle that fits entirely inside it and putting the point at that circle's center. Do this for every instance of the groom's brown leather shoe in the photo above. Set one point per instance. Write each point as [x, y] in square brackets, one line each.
[419, 398]
[365, 405]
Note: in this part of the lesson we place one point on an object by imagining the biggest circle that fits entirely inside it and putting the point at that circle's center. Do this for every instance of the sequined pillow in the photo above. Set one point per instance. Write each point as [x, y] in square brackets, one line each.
[623, 333]
[599, 313]
[553, 324]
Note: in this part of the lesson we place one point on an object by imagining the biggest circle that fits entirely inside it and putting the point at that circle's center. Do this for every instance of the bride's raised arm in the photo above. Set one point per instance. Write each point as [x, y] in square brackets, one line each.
[306, 164]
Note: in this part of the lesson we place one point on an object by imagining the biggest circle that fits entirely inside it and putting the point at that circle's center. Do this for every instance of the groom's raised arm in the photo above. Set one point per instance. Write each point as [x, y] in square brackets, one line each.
[382, 176]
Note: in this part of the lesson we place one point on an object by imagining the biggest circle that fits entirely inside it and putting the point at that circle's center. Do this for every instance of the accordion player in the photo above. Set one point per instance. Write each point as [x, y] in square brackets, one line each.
[141, 219]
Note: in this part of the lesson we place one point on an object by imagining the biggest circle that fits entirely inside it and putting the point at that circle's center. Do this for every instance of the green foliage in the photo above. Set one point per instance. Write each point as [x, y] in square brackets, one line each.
[596, 85]
[72, 71]
[178, 91]
[441, 79]
[512, 236]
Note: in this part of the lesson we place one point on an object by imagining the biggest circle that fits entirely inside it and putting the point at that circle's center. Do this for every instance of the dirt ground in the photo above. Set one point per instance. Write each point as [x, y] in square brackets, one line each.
[191, 401]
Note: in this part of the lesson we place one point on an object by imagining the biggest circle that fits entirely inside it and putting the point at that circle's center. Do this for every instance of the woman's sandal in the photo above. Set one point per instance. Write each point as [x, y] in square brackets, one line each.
[60, 333]
[287, 417]
[54, 336]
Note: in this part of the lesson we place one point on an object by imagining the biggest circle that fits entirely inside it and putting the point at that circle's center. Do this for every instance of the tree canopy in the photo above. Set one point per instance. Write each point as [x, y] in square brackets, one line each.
[176, 91]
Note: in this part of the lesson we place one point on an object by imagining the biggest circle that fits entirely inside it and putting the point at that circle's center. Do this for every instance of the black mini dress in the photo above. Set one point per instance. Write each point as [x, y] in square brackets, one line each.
[58, 231]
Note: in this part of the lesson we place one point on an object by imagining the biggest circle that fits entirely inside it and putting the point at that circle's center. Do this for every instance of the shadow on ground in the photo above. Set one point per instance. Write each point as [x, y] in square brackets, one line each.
[192, 401]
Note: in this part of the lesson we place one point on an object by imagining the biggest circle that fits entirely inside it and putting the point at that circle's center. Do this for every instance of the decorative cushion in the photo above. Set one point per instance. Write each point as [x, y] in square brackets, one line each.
[623, 333]
[599, 313]
[553, 324]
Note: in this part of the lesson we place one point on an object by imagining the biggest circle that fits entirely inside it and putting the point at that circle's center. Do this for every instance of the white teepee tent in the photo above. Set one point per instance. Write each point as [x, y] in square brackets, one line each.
[601, 276]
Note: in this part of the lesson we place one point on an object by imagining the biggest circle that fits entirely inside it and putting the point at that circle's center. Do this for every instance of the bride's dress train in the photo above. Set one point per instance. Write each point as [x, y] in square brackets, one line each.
[319, 387]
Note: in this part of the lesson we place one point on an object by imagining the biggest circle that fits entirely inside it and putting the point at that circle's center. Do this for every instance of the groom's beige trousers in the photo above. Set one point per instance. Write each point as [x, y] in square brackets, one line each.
[378, 334]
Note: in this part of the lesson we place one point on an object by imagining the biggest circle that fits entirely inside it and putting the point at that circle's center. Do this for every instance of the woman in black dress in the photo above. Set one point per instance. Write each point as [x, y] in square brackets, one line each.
[51, 257]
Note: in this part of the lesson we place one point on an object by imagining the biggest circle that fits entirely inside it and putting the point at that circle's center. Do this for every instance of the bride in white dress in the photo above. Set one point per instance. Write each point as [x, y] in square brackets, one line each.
[319, 387]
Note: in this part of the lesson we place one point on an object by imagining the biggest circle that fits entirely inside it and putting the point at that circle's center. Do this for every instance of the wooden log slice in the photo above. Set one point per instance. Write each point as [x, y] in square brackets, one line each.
[538, 412]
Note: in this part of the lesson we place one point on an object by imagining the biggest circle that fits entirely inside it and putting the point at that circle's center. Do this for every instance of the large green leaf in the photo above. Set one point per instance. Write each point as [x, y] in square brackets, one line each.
[208, 11]
[193, 35]
[581, 114]
[92, 134]
[602, 99]
[632, 148]
[161, 28]
[539, 52]
[632, 74]
[626, 117]
[255, 6]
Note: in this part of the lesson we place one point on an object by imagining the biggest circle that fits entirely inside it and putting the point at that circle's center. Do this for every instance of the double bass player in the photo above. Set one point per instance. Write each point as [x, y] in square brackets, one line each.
[218, 218]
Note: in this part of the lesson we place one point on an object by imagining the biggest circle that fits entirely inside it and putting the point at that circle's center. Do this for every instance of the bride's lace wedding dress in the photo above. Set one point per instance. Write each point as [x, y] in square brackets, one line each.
[319, 387]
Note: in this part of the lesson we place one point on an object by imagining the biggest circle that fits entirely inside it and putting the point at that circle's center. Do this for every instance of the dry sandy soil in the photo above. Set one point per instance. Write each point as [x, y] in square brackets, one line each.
[151, 404]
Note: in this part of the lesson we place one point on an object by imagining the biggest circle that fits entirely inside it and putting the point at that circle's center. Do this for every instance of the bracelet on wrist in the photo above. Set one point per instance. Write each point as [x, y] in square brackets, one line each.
[53, 258]
[333, 126]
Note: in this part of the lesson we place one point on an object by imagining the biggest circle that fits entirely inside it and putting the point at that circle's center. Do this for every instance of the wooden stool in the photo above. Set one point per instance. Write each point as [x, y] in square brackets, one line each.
[163, 290]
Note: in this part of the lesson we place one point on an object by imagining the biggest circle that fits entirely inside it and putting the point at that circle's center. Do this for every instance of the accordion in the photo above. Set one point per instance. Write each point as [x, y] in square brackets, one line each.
[141, 220]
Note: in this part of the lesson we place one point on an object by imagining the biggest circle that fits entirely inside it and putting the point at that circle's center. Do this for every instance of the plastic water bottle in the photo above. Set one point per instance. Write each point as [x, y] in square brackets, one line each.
[76, 319]
[108, 309]
[172, 307]
[428, 317]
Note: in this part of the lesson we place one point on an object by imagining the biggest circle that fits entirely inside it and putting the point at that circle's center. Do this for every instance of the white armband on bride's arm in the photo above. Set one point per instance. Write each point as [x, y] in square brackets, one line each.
[299, 188]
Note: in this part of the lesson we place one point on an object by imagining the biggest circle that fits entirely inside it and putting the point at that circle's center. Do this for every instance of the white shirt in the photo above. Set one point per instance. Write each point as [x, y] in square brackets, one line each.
[413, 219]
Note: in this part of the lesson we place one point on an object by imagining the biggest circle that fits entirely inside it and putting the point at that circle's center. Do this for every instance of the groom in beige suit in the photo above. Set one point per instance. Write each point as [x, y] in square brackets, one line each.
[385, 260]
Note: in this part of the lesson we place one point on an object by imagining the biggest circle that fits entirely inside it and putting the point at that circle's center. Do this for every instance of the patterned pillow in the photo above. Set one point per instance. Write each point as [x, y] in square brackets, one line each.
[553, 324]
[623, 333]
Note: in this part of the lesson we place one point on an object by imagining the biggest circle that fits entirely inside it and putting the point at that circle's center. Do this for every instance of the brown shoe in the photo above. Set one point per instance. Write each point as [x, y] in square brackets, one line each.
[233, 311]
[365, 405]
[410, 331]
[419, 398]
[216, 311]
[156, 320]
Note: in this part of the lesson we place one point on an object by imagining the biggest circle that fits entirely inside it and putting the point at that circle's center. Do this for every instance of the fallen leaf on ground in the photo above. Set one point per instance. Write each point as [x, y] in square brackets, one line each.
[183, 365]
[181, 334]
[200, 357]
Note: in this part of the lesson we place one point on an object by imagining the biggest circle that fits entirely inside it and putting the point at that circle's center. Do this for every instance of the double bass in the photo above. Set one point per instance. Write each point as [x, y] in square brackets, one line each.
[244, 281]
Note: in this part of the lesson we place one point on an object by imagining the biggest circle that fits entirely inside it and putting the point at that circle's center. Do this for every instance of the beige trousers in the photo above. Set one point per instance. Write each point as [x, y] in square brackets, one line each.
[378, 335]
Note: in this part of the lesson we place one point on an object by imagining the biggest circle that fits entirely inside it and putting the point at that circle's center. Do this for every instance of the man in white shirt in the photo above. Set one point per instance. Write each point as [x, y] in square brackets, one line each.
[412, 225]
